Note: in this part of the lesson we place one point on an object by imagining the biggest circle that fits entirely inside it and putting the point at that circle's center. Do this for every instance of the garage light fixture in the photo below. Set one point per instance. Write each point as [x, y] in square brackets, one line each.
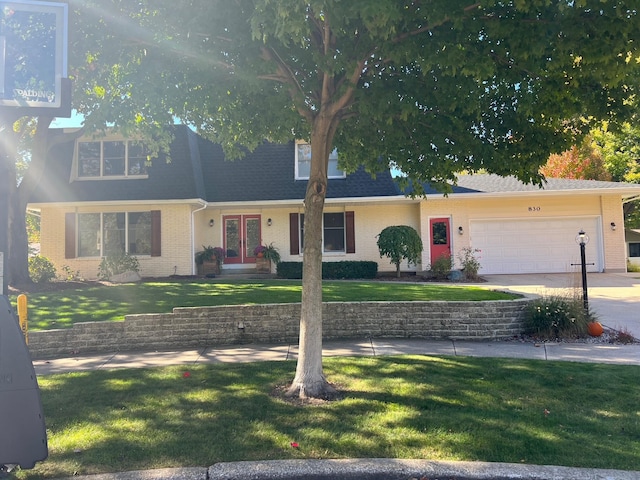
[582, 238]
[460, 230]
[211, 222]
[613, 226]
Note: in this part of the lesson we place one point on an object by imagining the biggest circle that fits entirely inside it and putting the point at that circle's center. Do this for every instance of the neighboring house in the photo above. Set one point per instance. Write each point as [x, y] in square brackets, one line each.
[633, 245]
[99, 196]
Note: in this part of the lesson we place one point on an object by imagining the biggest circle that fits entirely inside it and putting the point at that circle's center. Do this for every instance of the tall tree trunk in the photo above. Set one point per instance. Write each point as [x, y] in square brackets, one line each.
[309, 380]
[8, 189]
[18, 238]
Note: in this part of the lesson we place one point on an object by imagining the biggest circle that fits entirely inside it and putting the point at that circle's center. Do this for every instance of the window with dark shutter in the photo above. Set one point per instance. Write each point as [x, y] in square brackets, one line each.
[294, 235]
[156, 234]
[349, 220]
[70, 235]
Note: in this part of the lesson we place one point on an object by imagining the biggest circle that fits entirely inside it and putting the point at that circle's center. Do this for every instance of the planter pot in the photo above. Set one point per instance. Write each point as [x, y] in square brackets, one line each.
[263, 265]
[208, 268]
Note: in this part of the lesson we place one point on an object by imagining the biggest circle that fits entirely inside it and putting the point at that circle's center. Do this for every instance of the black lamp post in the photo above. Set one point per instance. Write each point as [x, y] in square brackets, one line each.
[582, 239]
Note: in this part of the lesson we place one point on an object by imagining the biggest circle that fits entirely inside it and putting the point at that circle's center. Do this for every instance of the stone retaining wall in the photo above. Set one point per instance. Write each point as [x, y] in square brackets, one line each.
[279, 323]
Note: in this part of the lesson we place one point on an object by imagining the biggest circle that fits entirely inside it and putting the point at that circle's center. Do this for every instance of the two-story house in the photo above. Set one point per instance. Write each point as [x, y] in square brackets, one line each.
[100, 195]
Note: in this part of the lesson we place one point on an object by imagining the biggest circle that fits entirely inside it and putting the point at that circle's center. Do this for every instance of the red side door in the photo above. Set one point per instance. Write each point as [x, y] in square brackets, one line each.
[440, 236]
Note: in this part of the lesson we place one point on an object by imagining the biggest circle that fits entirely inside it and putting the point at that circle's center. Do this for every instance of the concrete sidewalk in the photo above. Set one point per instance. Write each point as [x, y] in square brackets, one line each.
[573, 352]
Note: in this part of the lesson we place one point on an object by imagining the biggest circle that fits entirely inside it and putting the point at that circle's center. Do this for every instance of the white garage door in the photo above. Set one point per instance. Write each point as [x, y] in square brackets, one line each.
[535, 246]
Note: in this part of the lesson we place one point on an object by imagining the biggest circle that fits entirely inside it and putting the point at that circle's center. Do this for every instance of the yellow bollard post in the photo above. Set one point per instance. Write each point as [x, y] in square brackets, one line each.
[23, 316]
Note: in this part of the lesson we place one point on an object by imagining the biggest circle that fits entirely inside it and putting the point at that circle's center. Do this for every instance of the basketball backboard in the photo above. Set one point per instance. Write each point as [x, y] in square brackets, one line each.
[33, 54]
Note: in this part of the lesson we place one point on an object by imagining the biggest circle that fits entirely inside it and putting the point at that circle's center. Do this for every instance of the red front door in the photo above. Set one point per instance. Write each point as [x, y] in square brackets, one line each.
[440, 233]
[241, 236]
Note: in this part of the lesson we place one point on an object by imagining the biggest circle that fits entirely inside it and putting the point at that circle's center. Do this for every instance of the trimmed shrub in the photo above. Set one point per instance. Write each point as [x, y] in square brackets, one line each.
[116, 264]
[41, 269]
[553, 317]
[290, 270]
[349, 269]
[441, 267]
[331, 270]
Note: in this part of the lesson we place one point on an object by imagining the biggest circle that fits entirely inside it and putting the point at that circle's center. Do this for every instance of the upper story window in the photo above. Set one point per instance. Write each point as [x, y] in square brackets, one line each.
[111, 159]
[303, 162]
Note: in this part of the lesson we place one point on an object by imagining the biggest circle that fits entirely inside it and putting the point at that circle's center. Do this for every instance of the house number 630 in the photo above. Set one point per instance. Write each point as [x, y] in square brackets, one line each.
[534, 209]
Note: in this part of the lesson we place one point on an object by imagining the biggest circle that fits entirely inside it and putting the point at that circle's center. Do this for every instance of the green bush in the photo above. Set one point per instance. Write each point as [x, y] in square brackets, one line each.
[68, 275]
[291, 270]
[349, 269]
[331, 270]
[555, 317]
[470, 263]
[400, 242]
[41, 269]
[115, 264]
[441, 267]
[632, 267]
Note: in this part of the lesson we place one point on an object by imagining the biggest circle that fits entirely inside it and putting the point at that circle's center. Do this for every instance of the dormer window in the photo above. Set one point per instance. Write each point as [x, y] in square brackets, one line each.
[111, 159]
[303, 162]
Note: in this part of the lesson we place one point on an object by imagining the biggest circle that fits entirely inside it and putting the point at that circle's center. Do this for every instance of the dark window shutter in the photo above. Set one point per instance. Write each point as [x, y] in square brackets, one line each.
[156, 235]
[349, 224]
[69, 235]
[294, 234]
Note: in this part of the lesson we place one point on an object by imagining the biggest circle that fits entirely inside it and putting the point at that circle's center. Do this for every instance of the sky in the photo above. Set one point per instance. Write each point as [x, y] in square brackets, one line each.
[74, 121]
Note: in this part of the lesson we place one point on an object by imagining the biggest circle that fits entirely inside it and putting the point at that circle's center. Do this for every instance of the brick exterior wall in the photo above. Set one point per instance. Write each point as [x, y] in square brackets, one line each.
[279, 323]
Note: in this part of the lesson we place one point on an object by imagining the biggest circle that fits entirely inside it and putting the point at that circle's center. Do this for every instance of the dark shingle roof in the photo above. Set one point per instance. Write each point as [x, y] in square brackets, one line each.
[198, 170]
[175, 180]
[268, 174]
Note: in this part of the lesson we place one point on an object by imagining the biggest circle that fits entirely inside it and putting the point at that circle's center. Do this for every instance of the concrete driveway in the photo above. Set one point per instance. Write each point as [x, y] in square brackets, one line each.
[613, 297]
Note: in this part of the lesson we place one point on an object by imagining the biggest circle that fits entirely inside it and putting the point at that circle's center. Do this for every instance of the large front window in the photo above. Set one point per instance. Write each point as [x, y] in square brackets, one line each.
[634, 249]
[109, 159]
[303, 163]
[333, 233]
[102, 234]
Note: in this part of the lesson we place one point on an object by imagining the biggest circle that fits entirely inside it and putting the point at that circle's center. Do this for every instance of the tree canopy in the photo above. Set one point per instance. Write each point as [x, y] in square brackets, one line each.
[431, 87]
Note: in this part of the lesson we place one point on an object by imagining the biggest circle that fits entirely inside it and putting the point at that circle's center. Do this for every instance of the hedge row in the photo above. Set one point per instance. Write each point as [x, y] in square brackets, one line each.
[331, 270]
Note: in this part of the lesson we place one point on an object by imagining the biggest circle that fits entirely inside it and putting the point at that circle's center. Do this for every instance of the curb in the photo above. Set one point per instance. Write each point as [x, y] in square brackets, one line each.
[395, 469]
[369, 469]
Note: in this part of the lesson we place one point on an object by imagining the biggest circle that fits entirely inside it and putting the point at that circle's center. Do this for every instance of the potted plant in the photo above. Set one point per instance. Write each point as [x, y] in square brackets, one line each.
[265, 255]
[209, 260]
[271, 253]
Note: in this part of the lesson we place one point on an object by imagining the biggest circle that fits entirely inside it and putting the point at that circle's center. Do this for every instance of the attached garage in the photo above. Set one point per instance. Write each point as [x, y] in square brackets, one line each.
[543, 245]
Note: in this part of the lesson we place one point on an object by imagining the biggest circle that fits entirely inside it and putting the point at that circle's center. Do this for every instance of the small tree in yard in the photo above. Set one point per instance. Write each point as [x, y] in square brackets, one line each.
[399, 243]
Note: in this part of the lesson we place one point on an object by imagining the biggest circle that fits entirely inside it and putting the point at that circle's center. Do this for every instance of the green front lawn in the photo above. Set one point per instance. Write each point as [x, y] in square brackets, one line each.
[62, 309]
[440, 408]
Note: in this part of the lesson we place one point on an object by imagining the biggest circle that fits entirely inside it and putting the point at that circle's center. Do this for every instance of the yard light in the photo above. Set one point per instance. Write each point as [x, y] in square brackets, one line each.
[582, 239]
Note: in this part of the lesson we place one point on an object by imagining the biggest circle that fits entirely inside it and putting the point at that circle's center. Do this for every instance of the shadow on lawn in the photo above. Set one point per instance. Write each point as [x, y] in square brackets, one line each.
[391, 407]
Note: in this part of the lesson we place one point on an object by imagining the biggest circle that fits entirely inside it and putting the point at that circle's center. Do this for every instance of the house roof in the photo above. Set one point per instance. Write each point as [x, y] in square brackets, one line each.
[198, 171]
[495, 184]
[167, 180]
[268, 174]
